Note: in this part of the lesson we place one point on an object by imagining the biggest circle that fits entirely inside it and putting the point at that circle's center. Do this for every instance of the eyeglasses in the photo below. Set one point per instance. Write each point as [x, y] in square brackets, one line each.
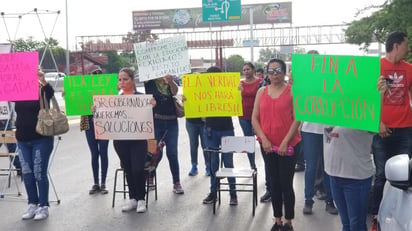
[275, 71]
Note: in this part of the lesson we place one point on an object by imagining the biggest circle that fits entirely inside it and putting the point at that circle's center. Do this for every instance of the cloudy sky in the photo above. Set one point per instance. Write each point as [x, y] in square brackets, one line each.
[93, 17]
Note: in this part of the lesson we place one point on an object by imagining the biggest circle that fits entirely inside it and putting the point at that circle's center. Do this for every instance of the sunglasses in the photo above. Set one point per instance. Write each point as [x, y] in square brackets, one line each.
[275, 71]
[97, 72]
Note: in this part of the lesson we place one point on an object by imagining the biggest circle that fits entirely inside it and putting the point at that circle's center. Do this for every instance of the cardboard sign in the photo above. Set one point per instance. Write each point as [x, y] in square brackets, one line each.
[79, 91]
[18, 76]
[212, 94]
[161, 57]
[123, 117]
[337, 90]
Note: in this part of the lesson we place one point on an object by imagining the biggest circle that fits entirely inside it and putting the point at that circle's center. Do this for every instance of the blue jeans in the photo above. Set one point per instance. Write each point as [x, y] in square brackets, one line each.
[213, 141]
[172, 129]
[196, 131]
[247, 129]
[34, 159]
[351, 199]
[399, 142]
[98, 148]
[313, 152]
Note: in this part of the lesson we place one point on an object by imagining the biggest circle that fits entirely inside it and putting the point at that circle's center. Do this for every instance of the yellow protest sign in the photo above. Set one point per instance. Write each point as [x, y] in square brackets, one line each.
[212, 94]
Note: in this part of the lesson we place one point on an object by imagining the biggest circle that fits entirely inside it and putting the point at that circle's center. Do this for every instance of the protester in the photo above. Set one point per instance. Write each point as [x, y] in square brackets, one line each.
[395, 130]
[195, 130]
[132, 153]
[273, 120]
[312, 145]
[98, 148]
[260, 73]
[349, 164]
[166, 124]
[215, 129]
[248, 86]
[34, 152]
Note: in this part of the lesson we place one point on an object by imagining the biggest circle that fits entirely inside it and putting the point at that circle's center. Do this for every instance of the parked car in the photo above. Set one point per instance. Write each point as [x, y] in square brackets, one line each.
[395, 209]
[55, 79]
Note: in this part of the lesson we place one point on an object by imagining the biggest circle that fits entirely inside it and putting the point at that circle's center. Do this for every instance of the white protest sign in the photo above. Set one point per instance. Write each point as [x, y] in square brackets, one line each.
[4, 110]
[161, 57]
[238, 144]
[123, 117]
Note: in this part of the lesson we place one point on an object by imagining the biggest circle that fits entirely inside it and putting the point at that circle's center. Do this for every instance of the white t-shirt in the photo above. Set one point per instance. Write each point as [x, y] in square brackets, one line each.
[312, 128]
[347, 152]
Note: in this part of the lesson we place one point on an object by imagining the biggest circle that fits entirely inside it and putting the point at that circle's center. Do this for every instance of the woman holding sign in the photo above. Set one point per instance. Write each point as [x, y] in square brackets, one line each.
[34, 152]
[165, 122]
[273, 120]
[98, 148]
[132, 153]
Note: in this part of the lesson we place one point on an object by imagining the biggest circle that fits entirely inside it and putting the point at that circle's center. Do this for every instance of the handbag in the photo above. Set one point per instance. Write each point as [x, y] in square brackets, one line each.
[180, 112]
[51, 121]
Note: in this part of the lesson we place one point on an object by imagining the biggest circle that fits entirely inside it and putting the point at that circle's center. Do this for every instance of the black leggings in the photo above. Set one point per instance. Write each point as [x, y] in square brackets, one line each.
[281, 170]
[132, 155]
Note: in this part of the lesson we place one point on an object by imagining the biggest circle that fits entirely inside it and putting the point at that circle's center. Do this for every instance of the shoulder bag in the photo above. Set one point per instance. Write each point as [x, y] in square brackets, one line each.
[51, 121]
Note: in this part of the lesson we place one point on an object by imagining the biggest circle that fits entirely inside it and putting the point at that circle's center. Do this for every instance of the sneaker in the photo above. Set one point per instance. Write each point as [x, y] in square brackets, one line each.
[207, 171]
[299, 167]
[141, 206]
[266, 197]
[330, 208]
[287, 227]
[177, 188]
[233, 200]
[307, 209]
[210, 199]
[30, 212]
[374, 225]
[95, 189]
[320, 195]
[276, 227]
[151, 184]
[130, 205]
[193, 171]
[103, 189]
[41, 213]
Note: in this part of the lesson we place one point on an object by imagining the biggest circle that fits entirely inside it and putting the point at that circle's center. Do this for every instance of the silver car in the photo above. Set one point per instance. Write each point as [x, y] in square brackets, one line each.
[55, 79]
[395, 209]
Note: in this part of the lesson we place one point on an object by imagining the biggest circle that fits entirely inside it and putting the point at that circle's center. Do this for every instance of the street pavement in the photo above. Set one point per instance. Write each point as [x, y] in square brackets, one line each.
[71, 173]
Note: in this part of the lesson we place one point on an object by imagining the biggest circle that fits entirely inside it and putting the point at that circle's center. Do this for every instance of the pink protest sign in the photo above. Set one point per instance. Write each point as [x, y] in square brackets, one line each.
[18, 76]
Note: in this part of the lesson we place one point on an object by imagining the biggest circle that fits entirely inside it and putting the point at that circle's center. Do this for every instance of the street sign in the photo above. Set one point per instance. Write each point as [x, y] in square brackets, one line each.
[221, 10]
[250, 42]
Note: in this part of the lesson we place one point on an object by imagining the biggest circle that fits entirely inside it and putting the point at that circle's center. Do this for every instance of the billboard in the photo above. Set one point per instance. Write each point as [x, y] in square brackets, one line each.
[268, 13]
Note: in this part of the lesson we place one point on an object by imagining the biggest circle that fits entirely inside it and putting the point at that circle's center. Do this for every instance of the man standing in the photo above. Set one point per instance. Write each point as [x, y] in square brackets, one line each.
[395, 130]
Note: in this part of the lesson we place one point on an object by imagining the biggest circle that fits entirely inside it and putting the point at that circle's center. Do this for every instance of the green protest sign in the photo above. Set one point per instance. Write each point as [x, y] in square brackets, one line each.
[79, 91]
[337, 90]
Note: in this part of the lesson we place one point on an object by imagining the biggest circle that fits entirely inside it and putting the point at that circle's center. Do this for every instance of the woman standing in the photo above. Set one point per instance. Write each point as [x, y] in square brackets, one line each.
[274, 122]
[34, 152]
[249, 87]
[98, 148]
[132, 153]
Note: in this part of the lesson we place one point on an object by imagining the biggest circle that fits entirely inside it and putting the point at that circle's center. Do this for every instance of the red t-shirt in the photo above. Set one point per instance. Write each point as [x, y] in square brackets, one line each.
[396, 109]
[248, 97]
[276, 116]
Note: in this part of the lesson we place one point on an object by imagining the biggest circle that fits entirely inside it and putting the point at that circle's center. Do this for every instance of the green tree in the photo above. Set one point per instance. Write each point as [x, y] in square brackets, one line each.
[234, 63]
[265, 54]
[116, 62]
[391, 15]
[59, 53]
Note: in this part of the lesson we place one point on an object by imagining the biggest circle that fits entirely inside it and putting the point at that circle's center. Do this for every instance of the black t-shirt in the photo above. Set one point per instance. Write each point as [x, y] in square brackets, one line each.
[164, 102]
[219, 123]
[27, 112]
